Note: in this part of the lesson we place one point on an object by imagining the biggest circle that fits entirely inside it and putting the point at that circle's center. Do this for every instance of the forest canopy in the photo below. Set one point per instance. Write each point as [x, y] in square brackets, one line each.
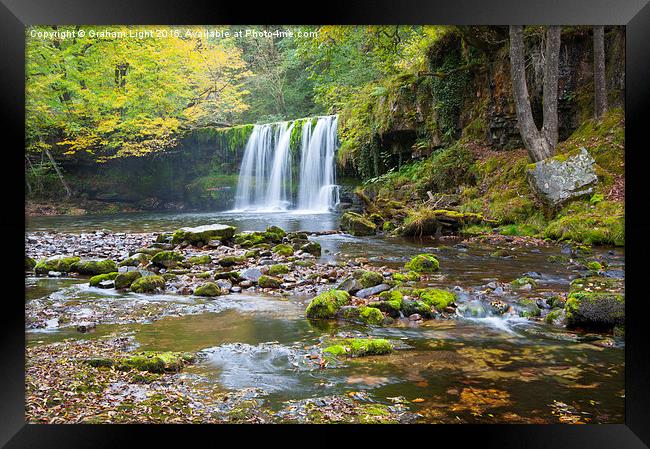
[127, 91]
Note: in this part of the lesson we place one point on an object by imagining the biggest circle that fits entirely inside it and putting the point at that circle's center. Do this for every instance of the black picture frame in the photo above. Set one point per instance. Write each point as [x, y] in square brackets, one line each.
[634, 14]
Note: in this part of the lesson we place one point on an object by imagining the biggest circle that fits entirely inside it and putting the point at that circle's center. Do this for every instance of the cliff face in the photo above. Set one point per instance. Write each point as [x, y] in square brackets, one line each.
[468, 92]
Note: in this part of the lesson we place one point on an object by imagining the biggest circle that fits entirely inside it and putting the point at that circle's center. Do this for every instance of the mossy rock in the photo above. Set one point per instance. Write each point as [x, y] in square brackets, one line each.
[156, 362]
[229, 261]
[368, 278]
[283, 250]
[167, 259]
[275, 270]
[359, 347]
[411, 276]
[528, 308]
[371, 315]
[595, 311]
[135, 260]
[201, 235]
[357, 224]
[434, 297]
[230, 275]
[326, 304]
[95, 280]
[273, 234]
[523, 282]
[410, 307]
[29, 263]
[208, 289]
[312, 248]
[269, 282]
[148, 284]
[423, 263]
[124, 280]
[63, 264]
[94, 267]
[199, 260]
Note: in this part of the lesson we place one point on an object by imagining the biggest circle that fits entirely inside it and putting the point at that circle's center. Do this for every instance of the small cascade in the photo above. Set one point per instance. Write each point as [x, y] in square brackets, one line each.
[266, 177]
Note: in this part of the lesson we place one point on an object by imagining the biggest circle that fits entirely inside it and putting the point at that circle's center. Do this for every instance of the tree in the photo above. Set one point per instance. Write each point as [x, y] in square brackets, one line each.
[539, 143]
[600, 88]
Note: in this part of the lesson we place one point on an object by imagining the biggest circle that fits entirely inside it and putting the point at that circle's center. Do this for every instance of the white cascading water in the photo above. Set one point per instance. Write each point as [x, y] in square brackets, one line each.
[266, 166]
[317, 190]
[266, 178]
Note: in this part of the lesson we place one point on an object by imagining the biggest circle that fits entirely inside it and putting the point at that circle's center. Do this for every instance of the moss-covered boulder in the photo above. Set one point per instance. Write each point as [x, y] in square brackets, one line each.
[95, 280]
[167, 259]
[357, 224]
[199, 260]
[411, 307]
[361, 314]
[94, 267]
[229, 261]
[29, 263]
[524, 282]
[360, 279]
[135, 260]
[63, 264]
[423, 263]
[283, 250]
[273, 234]
[275, 270]
[411, 276]
[327, 304]
[148, 284]
[156, 362]
[434, 297]
[201, 235]
[269, 282]
[312, 248]
[124, 280]
[358, 347]
[208, 289]
[595, 311]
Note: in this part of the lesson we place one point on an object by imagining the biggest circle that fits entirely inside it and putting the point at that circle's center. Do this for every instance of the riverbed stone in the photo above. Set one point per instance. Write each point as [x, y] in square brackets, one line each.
[95, 281]
[201, 235]
[269, 282]
[208, 289]
[327, 304]
[357, 224]
[423, 263]
[366, 292]
[167, 259]
[251, 274]
[56, 263]
[94, 267]
[148, 284]
[562, 178]
[124, 280]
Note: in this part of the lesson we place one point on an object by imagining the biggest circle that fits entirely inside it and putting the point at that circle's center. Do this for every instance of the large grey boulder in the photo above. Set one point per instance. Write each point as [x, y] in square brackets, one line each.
[559, 179]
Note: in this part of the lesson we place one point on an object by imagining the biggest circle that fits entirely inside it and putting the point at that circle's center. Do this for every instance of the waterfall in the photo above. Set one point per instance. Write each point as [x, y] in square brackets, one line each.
[266, 177]
[317, 190]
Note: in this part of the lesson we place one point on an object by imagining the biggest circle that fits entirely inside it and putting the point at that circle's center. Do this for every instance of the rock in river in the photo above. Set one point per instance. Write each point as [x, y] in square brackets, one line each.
[365, 292]
[201, 235]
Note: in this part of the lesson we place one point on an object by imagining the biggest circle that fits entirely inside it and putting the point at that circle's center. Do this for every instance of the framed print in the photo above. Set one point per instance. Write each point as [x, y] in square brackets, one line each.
[409, 217]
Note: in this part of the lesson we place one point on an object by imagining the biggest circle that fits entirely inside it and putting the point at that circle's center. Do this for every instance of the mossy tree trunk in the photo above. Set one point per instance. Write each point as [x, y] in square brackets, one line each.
[600, 88]
[540, 144]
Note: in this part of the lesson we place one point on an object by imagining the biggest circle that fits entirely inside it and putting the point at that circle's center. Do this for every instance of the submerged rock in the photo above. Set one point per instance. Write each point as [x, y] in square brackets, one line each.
[561, 178]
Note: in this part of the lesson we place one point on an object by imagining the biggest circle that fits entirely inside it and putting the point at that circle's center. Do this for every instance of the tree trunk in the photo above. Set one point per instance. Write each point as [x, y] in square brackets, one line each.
[68, 193]
[540, 144]
[551, 75]
[534, 142]
[600, 88]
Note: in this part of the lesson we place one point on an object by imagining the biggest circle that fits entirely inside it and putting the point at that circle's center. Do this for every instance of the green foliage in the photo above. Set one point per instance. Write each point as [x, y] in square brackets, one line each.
[117, 96]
